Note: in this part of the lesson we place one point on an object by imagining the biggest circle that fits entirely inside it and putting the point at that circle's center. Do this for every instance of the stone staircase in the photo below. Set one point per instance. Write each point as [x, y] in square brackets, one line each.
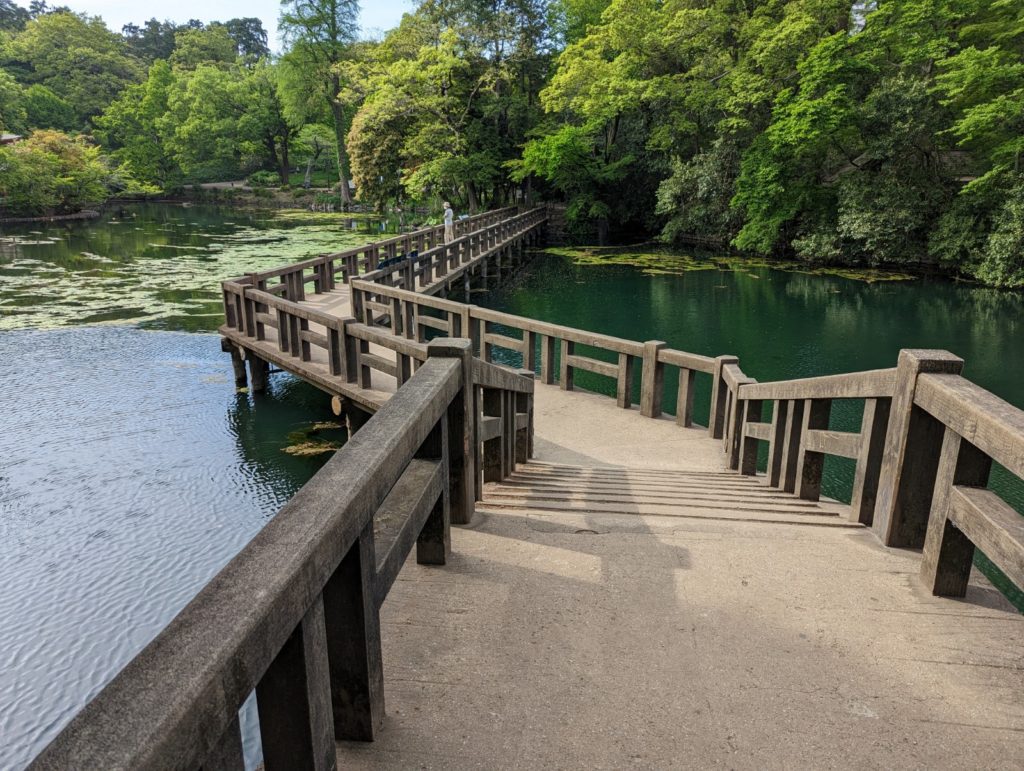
[538, 487]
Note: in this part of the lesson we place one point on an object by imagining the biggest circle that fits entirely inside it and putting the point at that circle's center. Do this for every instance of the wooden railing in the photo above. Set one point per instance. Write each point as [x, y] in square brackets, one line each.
[324, 271]
[295, 616]
[418, 270]
[923, 454]
[412, 314]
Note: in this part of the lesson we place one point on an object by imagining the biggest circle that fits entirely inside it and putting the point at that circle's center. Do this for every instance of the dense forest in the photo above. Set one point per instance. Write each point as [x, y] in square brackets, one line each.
[883, 133]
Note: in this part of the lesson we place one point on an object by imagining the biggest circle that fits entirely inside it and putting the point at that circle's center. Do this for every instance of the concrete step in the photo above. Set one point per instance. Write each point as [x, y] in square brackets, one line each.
[538, 488]
[588, 492]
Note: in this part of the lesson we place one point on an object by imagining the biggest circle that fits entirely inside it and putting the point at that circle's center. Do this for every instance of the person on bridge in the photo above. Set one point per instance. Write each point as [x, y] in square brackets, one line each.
[449, 223]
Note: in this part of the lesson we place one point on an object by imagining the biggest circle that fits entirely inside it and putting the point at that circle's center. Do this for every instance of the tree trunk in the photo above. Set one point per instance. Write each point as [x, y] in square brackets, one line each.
[474, 202]
[284, 170]
[338, 113]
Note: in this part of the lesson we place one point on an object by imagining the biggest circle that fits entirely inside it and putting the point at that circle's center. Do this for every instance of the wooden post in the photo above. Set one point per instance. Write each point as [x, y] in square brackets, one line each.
[948, 553]
[624, 382]
[524, 436]
[565, 380]
[777, 442]
[353, 644]
[652, 380]
[461, 431]
[911, 458]
[748, 445]
[684, 397]
[237, 363]
[869, 462]
[294, 700]
[810, 464]
[492, 452]
[434, 543]
[529, 350]
[547, 360]
[719, 391]
[257, 373]
[791, 445]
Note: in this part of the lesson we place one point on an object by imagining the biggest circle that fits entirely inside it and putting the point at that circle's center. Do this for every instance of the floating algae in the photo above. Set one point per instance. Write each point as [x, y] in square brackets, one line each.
[308, 442]
[155, 274]
[661, 261]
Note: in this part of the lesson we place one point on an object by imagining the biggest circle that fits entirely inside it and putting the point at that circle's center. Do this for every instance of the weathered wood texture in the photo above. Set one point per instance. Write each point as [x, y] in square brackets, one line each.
[294, 616]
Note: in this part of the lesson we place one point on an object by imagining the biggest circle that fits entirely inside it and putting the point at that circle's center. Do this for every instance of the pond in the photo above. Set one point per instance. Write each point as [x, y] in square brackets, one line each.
[131, 469]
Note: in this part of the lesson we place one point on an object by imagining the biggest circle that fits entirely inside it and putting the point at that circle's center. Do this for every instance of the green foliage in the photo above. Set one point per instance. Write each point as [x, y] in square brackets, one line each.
[13, 117]
[44, 109]
[263, 179]
[76, 57]
[51, 173]
[210, 45]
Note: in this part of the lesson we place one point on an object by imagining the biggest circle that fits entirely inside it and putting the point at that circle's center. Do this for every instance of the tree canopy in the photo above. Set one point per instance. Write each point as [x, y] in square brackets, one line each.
[884, 132]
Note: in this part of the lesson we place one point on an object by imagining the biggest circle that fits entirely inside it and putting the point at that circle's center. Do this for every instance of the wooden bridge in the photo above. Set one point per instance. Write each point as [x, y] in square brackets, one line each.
[628, 589]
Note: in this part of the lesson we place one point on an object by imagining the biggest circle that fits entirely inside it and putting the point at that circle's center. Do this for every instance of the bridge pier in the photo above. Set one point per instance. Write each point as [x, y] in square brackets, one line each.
[237, 362]
[259, 372]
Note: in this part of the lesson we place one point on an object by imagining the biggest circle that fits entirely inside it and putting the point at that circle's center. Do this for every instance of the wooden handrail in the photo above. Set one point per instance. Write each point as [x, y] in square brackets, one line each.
[991, 424]
[872, 384]
[294, 616]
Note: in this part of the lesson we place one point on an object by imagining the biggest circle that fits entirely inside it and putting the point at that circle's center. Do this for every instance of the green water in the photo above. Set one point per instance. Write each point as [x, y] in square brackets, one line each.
[131, 469]
[782, 324]
[155, 265]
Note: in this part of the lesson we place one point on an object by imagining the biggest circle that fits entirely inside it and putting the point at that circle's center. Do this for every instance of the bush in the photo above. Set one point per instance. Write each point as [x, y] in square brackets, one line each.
[264, 179]
[51, 173]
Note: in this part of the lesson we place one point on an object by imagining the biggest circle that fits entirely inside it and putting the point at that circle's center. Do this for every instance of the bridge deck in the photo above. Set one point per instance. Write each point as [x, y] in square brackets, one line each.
[625, 598]
[683, 635]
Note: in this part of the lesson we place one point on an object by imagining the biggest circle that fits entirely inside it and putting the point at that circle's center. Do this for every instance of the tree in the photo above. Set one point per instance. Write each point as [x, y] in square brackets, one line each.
[313, 141]
[12, 16]
[136, 127]
[153, 40]
[319, 33]
[12, 104]
[250, 38]
[76, 57]
[209, 45]
[44, 109]
[51, 173]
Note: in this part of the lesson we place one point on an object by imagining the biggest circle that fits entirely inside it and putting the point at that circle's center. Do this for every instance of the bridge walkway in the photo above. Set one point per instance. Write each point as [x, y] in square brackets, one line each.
[626, 588]
[617, 629]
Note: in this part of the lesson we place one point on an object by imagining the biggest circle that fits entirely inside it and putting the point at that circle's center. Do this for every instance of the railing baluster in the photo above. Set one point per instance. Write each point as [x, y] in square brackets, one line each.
[777, 441]
[294, 700]
[911, 456]
[227, 755]
[810, 464]
[353, 641]
[948, 553]
[624, 382]
[791, 444]
[748, 449]
[684, 397]
[869, 463]
[566, 371]
[719, 394]
[652, 379]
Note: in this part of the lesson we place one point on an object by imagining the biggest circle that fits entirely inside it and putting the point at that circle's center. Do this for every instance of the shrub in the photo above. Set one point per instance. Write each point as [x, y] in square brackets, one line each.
[263, 179]
[52, 173]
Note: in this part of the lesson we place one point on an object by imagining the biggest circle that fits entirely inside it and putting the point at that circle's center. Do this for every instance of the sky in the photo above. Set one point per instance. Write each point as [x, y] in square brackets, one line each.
[376, 15]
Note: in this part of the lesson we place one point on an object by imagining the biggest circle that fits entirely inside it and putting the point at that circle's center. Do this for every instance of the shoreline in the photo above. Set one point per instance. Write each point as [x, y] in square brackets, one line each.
[85, 214]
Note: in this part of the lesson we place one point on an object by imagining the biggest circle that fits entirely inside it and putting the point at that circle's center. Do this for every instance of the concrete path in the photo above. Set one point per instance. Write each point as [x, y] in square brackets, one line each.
[584, 623]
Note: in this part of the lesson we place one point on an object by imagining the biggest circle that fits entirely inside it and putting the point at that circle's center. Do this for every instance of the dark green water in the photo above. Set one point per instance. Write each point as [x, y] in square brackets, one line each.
[781, 325]
[131, 470]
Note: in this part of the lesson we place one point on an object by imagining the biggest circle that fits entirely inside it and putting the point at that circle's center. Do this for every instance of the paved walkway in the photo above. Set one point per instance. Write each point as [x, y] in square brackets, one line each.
[584, 623]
